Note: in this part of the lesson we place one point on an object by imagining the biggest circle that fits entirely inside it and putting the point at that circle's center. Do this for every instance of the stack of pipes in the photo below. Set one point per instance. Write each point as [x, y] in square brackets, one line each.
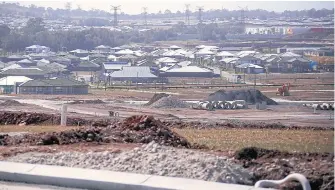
[211, 105]
[323, 106]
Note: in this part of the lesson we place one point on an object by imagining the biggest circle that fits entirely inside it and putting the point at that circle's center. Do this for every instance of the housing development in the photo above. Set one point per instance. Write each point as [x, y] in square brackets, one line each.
[233, 97]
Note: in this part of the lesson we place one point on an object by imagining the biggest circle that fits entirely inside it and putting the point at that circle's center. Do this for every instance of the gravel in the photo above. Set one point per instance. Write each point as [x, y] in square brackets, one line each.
[251, 96]
[151, 159]
[169, 102]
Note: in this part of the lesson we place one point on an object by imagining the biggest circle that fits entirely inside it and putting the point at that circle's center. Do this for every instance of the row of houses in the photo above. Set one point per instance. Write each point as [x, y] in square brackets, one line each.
[141, 64]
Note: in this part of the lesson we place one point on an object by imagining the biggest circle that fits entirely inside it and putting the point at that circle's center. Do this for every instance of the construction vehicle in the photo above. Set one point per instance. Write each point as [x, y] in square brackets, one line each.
[284, 90]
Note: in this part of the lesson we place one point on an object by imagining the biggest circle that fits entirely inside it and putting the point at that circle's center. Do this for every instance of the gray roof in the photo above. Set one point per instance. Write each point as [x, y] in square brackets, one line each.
[133, 72]
[16, 57]
[25, 61]
[25, 72]
[98, 55]
[115, 65]
[87, 64]
[51, 66]
[53, 82]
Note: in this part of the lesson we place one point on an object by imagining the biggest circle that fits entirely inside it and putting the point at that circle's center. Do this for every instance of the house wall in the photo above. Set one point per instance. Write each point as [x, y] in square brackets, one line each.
[53, 90]
[188, 74]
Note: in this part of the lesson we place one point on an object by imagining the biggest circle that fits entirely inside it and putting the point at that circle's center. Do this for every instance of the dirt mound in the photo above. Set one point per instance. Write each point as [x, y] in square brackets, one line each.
[169, 102]
[11, 103]
[16, 118]
[251, 96]
[155, 98]
[87, 102]
[145, 129]
[136, 129]
[273, 164]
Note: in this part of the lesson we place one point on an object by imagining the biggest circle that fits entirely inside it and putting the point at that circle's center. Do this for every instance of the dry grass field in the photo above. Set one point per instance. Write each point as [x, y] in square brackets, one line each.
[284, 140]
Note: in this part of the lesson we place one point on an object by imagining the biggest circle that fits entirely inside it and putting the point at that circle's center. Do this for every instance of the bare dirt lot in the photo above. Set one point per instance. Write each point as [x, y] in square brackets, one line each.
[293, 133]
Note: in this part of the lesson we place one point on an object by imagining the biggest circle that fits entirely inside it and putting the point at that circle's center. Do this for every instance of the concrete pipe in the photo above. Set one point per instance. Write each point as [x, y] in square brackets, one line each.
[221, 105]
[216, 105]
[233, 105]
[207, 106]
[227, 105]
[331, 106]
[243, 103]
[316, 106]
[325, 106]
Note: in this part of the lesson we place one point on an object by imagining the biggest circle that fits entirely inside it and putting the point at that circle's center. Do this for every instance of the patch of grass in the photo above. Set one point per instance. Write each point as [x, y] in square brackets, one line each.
[284, 140]
[33, 129]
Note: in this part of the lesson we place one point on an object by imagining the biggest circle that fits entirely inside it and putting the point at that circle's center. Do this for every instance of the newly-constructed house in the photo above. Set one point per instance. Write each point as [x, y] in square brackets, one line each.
[8, 84]
[141, 74]
[53, 86]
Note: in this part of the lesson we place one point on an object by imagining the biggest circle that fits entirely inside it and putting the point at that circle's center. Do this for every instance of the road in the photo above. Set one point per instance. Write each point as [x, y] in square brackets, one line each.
[24, 186]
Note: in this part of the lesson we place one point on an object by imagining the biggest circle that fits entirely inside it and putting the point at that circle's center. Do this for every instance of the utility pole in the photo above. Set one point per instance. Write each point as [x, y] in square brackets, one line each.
[200, 9]
[145, 13]
[242, 19]
[115, 8]
[187, 14]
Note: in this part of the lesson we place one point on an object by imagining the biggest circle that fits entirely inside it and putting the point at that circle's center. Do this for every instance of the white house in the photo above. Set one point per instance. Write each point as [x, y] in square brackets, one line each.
[37, 49]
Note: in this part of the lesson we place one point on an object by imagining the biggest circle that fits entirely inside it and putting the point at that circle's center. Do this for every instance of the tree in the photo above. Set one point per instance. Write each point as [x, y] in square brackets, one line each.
[34, 25]
[167, 12]
[68, 6]
[4, 30]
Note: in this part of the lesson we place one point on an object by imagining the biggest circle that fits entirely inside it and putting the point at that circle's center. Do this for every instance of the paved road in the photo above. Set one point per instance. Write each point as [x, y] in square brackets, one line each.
[25, 186]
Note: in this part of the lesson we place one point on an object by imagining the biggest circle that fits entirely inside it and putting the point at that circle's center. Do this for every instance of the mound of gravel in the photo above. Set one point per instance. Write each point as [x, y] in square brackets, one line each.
[169, 102]
[149, 159]
[155, 98]
[10, 103]
[251, 96]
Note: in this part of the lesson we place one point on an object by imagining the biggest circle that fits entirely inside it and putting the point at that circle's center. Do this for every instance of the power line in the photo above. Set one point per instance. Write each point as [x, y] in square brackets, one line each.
[200, 27]
[187, 14]
[242, 19]
[145, 13]
[200, 9]
[115, 8]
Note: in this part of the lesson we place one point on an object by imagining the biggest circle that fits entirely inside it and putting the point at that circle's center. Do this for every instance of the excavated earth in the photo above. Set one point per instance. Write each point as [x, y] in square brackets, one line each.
[25, 118]
[276, 165]
[265, 164]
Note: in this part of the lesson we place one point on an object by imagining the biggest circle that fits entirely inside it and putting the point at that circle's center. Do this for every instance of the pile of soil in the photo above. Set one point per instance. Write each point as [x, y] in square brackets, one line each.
[11, 103]
[145, 129]
[135, 129]
[276, 165]
[87, 102]
[48, 138]
[169, 102]
[155, 98]
[251, 96]
[24, 118]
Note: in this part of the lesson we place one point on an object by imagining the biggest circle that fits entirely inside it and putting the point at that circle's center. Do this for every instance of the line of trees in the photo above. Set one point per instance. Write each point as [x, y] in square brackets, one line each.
[35, 33]
[69, 11]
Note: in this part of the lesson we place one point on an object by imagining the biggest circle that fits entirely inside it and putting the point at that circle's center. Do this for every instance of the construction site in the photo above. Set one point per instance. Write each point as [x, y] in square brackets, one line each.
[237, 135]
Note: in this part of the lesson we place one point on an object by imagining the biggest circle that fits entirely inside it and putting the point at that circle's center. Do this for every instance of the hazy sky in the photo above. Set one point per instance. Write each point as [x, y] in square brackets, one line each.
[135, 6]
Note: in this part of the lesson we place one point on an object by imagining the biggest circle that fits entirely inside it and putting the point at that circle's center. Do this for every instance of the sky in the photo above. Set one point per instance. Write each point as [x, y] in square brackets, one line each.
[153, 6]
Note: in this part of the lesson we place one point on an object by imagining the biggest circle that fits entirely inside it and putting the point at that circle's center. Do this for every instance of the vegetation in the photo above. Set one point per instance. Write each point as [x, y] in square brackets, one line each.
[32, 10]
[35, 33]
[284, 140]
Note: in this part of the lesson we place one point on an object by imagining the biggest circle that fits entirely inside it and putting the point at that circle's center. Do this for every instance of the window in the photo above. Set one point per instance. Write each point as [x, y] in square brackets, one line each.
[58, 89]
